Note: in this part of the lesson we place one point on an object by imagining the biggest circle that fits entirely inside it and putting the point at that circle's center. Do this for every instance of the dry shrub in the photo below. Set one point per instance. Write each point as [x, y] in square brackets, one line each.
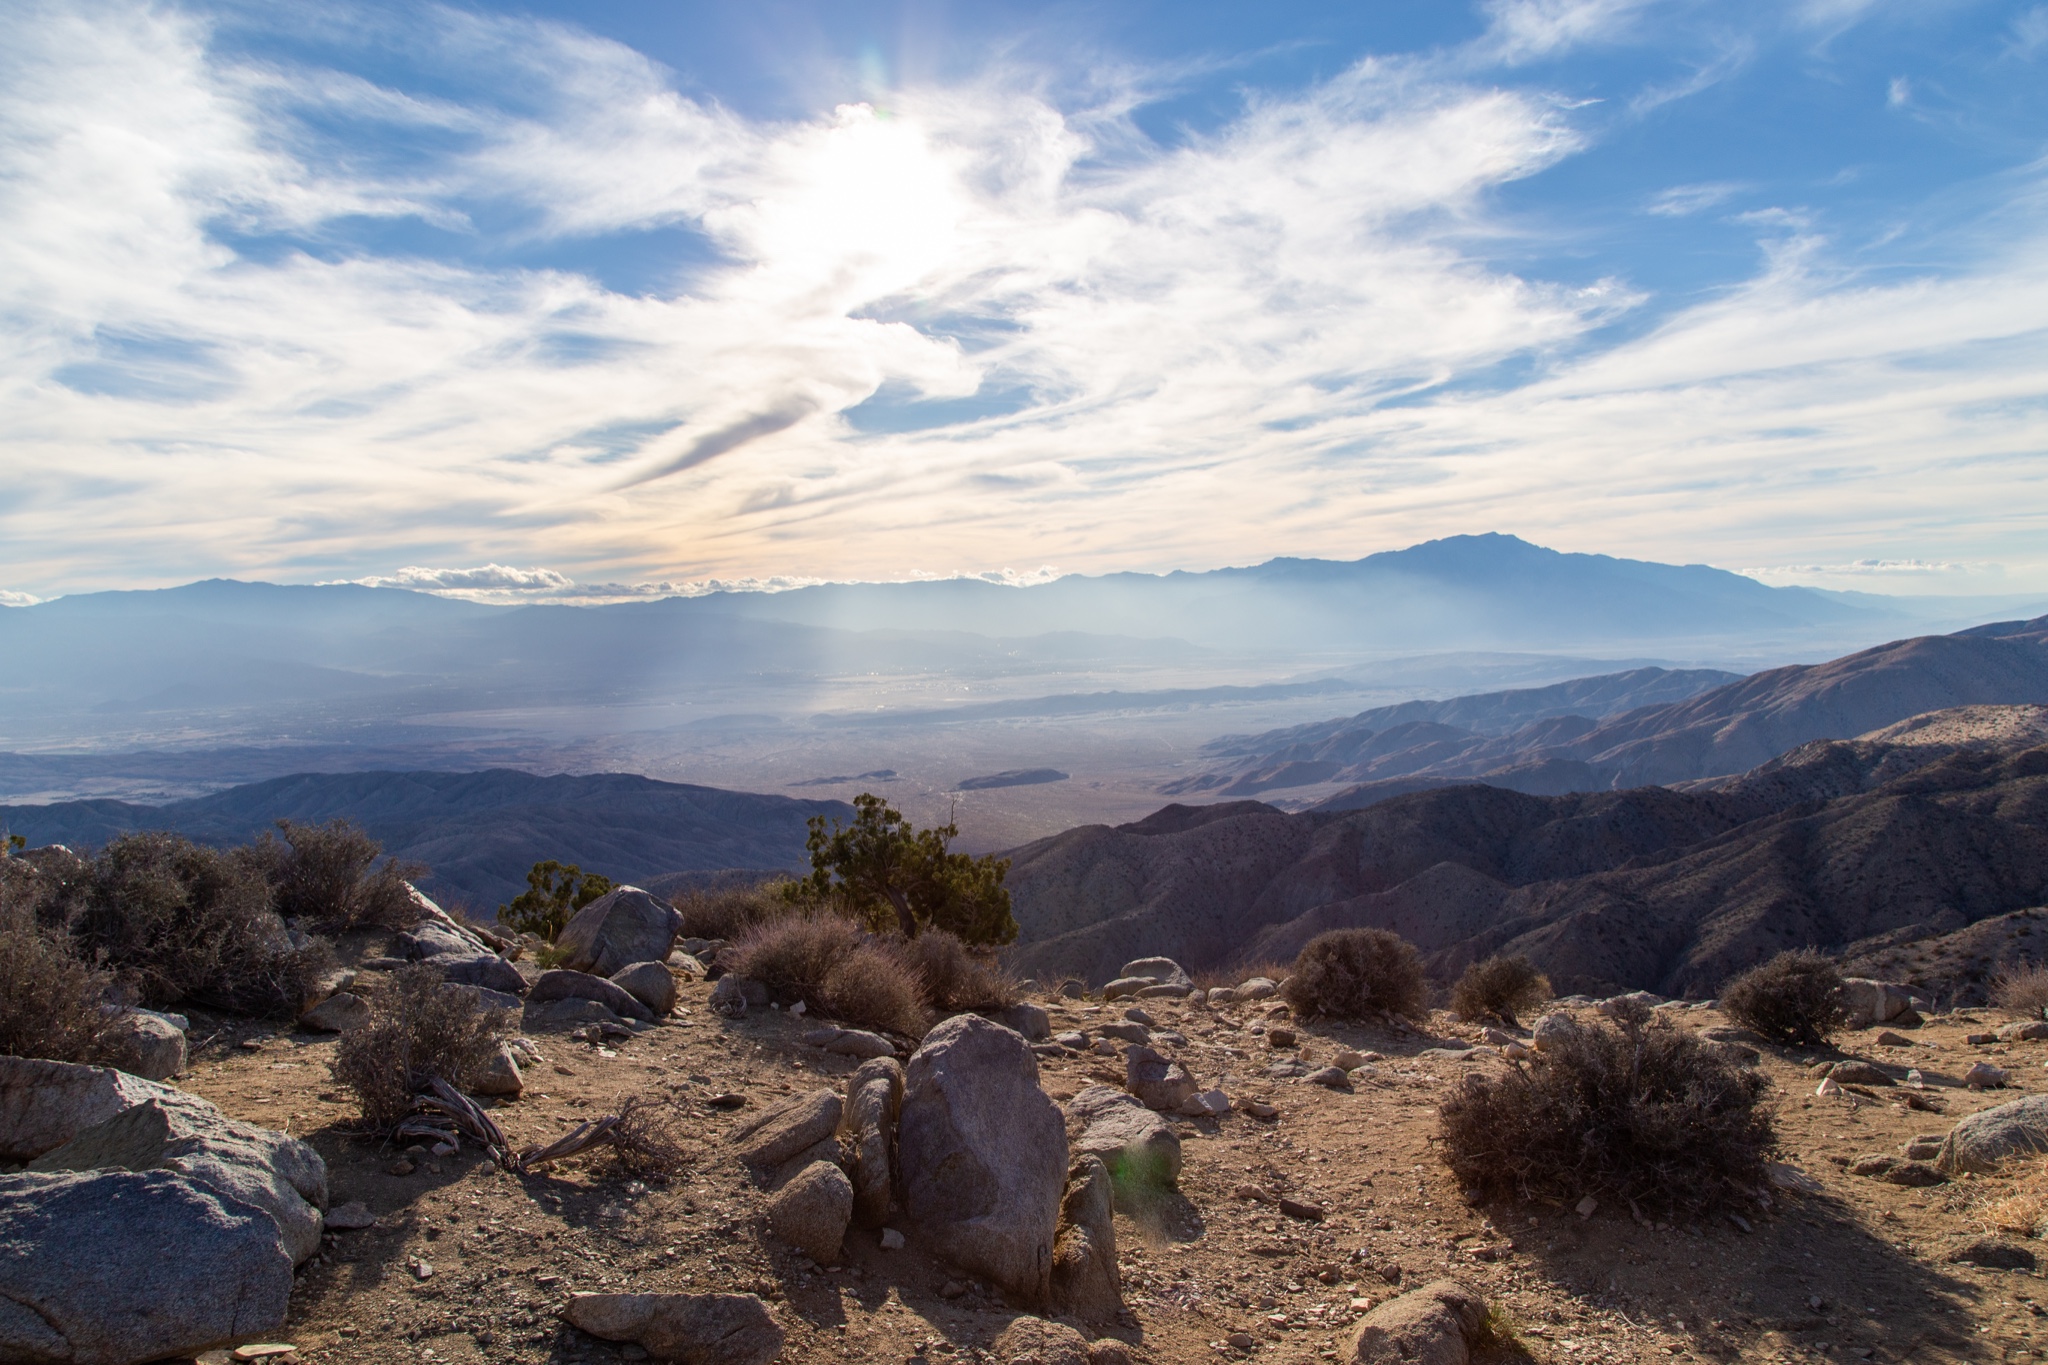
[647, 1141]
[182, 921]
[834, 968]
[2022, 990]
[49, 1000]
[1642, 1115]
[1351, 973]
[1214, 977]
[956, 978]
[1794, 999]
[329, 875]
[420, 1027]
[730, 912]
[1499, 988]
[2022, 1210]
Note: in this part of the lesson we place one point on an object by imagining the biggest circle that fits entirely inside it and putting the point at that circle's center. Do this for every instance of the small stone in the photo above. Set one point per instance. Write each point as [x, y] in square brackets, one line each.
[1875, 1164]
[952, 1289]
[2026, 1031]
[892, 1240]
[350, 1217]
[1859, 1073]
[1985, 1076]
[1307, 1213]
[1349, 1060]
[264, 1350]
[1257, 1109]
[400, 1167]
[1827, 1089]
[1585, 1206]
[1138, 1015]
[1914, 1175]
[422, 1270]
[1979, 1039]
[1210, 1104]
[1890, 1039]
[727, 1101]
[1243, 1341]
[1334, 1078]
[1280, 1037]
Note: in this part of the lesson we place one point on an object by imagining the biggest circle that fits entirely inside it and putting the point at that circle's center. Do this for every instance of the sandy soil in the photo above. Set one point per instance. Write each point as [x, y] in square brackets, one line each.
[467, 1263]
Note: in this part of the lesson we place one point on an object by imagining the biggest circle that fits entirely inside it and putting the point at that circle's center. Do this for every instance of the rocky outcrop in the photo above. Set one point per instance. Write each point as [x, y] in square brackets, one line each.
[624, 926]
[867, 1132]
[787, 1129]
[43, 1105]
[694, 1329]
[1085, 1283]
[564, 984]
[1139, 1149]
[1983, 1140]
[983, 1154]
[1438, 1324]
[116, 1267]
[812, 1209]
[650, 983]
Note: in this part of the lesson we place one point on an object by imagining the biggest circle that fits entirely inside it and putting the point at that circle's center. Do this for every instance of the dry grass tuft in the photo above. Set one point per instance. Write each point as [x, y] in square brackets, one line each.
[2021, 1211]
[730, 912]
[419, 1028]
[835, 968]
[647, 1141]
[2022, 990]
[1794, 999]
[1214, 977]
[49, 1000]
[1642, 1115]
[956, 978]
[1499, 988]
[1352, 973]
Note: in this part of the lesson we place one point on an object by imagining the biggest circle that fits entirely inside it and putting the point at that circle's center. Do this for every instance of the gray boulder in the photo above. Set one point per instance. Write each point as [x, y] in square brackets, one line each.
[43, 1104]
[867, 1131]
[1437, 1324]
[501, 1076]
[440, 938]
[116, 1267]
[811, 1210]
[1163, 971]
[1028, 1019]
[781, 1132]
[695, 1329]
[1874, 1002]
[1981, 1141]
[556, 1015]
[1552, 1029]
[480, 969]
[338, 1013]
[1139, 1149]
[850, 1042]
[268, 1170]
[623, 926]
[1157, 1082]
[1126, 985]
[983, 1154]
[650, 983]
[1125, 1031]
[564, 984]
[147, 1045]
[1085, 1283]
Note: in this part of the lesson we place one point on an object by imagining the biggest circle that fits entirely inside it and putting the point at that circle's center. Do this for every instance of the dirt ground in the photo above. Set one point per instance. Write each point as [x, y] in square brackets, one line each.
[467, 1263]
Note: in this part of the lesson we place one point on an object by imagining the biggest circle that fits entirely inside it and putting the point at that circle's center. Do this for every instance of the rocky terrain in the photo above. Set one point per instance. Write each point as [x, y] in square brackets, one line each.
[1908, 833]
[1304, 1202]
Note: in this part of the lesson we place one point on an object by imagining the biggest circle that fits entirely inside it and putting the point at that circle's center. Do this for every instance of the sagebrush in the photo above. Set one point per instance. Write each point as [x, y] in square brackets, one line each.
[1641, 1115]
[1499, 988]
[1353, 973]
[2022, 990]
[834, 968]
[1794, 999]
[50, 1001]
[330, 876]
[728, 912]
[954, 977]
[420, 1028]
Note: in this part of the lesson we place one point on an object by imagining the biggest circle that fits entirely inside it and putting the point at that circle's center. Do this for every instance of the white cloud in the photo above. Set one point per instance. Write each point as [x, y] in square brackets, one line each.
[493, 577]
[1526, 30]
[1682, 200]
[1899, 93]
[2030, 33]
[10, 598]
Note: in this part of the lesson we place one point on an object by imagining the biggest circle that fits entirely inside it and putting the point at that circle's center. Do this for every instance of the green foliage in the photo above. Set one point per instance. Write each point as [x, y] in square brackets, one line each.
[15, 843]
[554, 893]
[887, 873]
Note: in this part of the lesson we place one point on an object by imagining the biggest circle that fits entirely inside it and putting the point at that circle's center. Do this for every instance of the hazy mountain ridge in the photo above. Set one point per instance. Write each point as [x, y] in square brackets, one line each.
[480, 832]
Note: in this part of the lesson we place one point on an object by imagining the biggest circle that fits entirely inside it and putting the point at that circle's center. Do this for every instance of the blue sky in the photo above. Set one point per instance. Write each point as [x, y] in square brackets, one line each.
[620, 298]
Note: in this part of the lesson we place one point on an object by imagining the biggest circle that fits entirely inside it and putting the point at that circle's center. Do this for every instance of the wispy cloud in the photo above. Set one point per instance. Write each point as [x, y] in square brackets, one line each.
[9, 598]
[2030, 33]
[1682, 200]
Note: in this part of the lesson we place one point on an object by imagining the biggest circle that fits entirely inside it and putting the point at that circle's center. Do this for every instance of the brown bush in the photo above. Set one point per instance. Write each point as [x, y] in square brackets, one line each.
[956, 978]
[834, 968]
[2022, 990]
[1795, 999]
[182, 921]
[1350, 973]
[329, 875]
[1499, 988]
[1643, 1115]
[730, 912]
[420, 1027]
[49, 1000]
[647, 1141]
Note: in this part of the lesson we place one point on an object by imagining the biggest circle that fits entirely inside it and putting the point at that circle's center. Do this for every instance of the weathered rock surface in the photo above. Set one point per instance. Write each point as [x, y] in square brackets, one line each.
[1139, 1149]
[1125, 986]
[566, 1014]
[1085, 1283]
[117, 1267]
[43, 1105]
[501, 1076]
[1434, 1325]
[338, 1013]
[1874, 1002]
[811, 1210]
[867, 1128]
[480, 969]
[1028, 1019]
[850, 1042]
[147, 1045]
[1157, 1082]
[621, 927]
[983, 1154]
[1981, 1141]
[1162, 971]
[563, 984]
[695, 1329]
[271, 1171]
[650, 983]
[780, 1132]
[2023, 1031]
[1859, 1073]
[1551, 1030]
[1034, 1341]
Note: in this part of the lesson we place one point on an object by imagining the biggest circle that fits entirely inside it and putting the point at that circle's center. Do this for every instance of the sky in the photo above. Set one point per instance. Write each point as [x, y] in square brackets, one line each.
[606, 299]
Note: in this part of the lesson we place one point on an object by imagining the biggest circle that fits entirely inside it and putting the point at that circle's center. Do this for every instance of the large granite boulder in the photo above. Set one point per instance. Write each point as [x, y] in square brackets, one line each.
[271, 1171]
[784, 1131]
[1871, 1003]
[650, 983]
[117, 1267]
[487, 970]
[146, 1044]
[564, 984]
[983, 1154]
[43, 1105]
[1158, 1082]
[1983, 1140]
[623, 926]
[338, 1013]
[1139, 1149]
[812, 1209]
[695, 1329]
[1085, 1283]
[867, 1130]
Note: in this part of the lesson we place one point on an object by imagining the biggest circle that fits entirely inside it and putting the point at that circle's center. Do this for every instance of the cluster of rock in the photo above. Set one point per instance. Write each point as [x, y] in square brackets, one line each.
[143, 1222]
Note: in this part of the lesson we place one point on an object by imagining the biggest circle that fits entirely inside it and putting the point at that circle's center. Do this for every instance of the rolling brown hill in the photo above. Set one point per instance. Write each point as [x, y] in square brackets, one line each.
[1920, 829]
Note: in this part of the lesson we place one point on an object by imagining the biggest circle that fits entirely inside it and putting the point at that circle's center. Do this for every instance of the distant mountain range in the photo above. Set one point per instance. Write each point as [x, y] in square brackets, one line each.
[1916, 832]
[1639, 728]
[480, 832]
